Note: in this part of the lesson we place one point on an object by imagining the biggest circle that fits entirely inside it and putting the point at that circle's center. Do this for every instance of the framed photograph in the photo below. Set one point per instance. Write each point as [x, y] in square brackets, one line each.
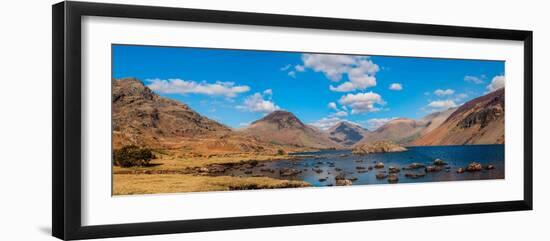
[171, 120]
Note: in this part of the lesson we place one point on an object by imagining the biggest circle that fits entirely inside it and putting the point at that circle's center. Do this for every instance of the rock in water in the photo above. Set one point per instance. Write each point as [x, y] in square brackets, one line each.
[393, 178]
[439, 162]
[377, 147]
[381, 175]
[344, 182]
[379, 165]
[473, 167]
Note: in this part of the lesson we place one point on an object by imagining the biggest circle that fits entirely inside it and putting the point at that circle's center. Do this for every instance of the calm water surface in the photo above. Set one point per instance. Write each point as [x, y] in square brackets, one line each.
[335, 162]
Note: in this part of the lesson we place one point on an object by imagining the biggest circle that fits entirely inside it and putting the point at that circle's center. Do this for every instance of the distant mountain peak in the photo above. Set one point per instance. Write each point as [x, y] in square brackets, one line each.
[283, 119]
[283, 127]
[347, 133]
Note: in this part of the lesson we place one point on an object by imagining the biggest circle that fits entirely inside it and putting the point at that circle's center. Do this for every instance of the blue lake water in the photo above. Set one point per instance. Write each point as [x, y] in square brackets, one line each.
[322, 169]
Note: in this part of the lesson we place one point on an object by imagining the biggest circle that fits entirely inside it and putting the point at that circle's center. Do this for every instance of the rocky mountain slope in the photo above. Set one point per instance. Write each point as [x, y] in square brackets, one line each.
[346, 133]
[142, 117]
[284, 128]
[479, 121]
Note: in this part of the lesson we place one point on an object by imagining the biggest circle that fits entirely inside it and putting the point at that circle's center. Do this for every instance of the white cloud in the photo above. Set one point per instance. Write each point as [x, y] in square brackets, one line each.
[374, 123]
[286, 67]
[292, 74]
[362, 102]
[442, 104]
[178, 86]
[359, 69]
[496, 83]
[257, 103]
[333, 106]
[341, 113]
[474, 79]
[268, 92]
[440, 92]
[327, 122]
[396, 86]
[300, 68]
[461, 96]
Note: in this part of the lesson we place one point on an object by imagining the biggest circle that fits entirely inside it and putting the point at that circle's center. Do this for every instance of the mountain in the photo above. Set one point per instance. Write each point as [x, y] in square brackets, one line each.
[479, 121]
[284, 128]
[404, 130]
[141, 117]
[435, 119]
[346, 133]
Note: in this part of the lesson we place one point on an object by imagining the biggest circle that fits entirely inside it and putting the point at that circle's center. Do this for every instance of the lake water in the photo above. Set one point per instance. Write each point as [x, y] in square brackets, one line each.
[322, 169]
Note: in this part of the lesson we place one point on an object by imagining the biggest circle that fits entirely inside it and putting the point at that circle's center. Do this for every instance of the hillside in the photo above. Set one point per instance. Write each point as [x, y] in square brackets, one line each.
[284, 128]
[404, 130]
[479, 121]
[143, 118]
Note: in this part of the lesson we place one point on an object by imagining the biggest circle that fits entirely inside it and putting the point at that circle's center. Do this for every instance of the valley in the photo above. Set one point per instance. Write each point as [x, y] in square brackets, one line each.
[195, 153]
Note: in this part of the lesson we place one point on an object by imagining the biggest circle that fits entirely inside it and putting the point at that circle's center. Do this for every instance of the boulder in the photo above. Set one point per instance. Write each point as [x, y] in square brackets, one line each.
[344, 182]
[439, 162]
[392, 178]
[340, 176]
[490, 167]
[474, 167]
[379, 165]
[460, 170]
[414, 165]
[360, 168]
[381, 175]
[377, 147]
[285, 172]
[414, 175]
[393, 169]
[432, 169]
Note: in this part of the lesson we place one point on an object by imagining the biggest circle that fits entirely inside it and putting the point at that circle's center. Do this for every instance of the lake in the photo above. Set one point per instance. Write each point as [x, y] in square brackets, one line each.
[323, 166]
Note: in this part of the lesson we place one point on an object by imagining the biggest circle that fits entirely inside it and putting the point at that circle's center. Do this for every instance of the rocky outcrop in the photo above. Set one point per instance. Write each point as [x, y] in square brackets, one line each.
[377, 147]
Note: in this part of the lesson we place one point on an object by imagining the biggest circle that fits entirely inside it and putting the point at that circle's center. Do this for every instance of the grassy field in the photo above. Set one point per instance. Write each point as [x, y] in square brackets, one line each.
[128, 184]
[125, 182]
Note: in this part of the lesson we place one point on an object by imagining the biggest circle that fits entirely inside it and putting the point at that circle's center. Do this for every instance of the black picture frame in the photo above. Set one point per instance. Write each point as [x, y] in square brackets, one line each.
[66, 170]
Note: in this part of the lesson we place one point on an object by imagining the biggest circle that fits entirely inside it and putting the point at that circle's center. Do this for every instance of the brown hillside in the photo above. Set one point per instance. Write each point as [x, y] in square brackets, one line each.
[284, 128]
[479, 121]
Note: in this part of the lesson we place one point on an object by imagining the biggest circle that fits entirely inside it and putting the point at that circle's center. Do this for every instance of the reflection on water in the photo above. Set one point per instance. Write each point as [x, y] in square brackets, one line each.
[322, 169]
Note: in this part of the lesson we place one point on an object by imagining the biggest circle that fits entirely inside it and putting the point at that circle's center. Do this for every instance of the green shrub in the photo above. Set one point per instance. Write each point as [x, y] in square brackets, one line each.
[281, 152]
[129, 156]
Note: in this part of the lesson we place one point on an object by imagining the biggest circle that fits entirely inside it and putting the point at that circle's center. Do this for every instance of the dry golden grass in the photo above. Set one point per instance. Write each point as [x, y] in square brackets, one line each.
[167, 162]
[128, 184]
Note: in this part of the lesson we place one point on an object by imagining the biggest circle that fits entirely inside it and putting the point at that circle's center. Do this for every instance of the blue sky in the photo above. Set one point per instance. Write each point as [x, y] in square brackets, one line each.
[236, 87]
